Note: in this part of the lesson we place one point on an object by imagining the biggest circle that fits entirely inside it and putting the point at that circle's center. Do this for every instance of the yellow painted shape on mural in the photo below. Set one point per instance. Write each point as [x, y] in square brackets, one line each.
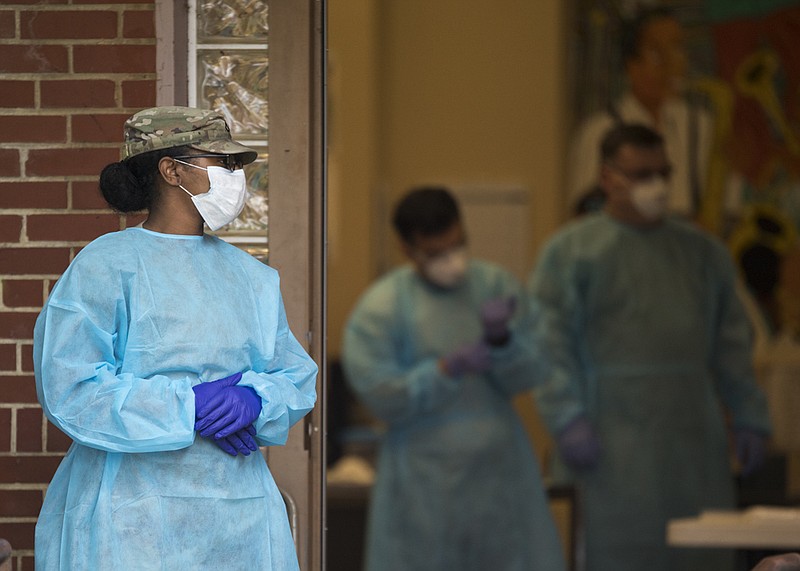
[749, 232]
[755, 78]
[720, 94]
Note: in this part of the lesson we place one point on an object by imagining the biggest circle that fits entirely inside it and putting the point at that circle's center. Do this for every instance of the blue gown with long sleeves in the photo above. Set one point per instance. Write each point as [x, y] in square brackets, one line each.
[648, 339]
[457, 484]
[137, 319]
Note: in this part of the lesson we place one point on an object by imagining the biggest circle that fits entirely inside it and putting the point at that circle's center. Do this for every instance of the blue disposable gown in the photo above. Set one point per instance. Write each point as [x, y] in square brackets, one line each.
[457, 485]
[647, 339]
[137, 319]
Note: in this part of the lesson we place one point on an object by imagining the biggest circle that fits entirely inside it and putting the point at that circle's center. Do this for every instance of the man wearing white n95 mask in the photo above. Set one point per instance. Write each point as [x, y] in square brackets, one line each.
[648, 343]
[437, 349]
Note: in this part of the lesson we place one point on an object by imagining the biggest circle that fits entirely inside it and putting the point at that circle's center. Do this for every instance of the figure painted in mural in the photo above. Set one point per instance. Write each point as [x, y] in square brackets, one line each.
[655, 65]
[165, 354]
[756, 55]
[648, 342]
[437, 349]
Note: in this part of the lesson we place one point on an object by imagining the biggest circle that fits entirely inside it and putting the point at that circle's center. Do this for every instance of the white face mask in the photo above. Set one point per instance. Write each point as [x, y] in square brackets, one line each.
[225, 198]
[650, 198]
[449, 269]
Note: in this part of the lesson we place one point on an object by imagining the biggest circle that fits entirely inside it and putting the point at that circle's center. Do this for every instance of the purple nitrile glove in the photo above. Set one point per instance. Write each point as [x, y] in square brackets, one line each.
[206, 391]
[241, 442]
[579, 444]
[469, 358]
[229, 411]
[751, 450]
[495, 315]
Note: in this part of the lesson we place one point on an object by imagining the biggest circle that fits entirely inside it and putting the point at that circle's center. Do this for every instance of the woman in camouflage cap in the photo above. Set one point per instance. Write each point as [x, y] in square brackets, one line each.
[165, 354]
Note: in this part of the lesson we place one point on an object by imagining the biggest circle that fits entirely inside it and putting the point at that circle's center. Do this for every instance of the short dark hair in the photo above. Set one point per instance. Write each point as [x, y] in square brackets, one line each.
[632, 30]
[427, 210]
[634, 134]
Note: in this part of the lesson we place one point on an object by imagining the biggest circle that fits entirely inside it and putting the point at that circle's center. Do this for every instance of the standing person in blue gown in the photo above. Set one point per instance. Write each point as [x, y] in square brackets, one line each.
[648, 342]
[436, 350]
[165, 354]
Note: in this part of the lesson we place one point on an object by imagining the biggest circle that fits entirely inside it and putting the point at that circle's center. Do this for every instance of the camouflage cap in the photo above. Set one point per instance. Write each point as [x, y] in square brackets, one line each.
[166, 127]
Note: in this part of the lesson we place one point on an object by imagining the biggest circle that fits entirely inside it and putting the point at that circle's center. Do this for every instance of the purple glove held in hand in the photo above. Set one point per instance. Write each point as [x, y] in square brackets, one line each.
[229, 411]
[469, 358]
[751, 450]
[241, 442]
[206, 391]
[578, 444]
[495, 315]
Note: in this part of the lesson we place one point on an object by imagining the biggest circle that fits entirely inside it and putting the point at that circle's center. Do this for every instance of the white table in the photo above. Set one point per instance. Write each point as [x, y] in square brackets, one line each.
[758, 527]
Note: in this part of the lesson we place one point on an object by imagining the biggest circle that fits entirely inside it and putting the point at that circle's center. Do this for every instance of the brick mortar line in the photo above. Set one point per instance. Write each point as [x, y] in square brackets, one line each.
[12, 437]
[23, 487]
[32, 455]
[44, 431]
[102, 7]
[30, 309]
[65, 75]
[58, 112]
[67, 42]
[43, 244]
[81, 178]
[59, 146]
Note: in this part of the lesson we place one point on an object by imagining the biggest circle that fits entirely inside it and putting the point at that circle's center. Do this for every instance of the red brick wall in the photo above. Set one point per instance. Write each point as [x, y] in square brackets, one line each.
[71, 71]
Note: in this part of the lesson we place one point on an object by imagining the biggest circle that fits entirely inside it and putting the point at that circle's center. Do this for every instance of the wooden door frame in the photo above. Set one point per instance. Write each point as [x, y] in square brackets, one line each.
[297, 222]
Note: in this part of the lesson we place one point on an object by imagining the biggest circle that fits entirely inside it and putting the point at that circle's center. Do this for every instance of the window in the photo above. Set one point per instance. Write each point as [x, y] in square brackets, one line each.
[228, 70]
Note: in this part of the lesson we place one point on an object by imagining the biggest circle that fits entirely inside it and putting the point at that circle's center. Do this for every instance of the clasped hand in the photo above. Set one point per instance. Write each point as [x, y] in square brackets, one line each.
[225, 412]
[472, 358]
[476, 357]
[495, 316]
[579, 444]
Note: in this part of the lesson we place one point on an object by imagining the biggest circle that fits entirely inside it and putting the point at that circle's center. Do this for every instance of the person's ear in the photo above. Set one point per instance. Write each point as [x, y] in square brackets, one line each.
[608, 179]
[169, 171]
[408, 250]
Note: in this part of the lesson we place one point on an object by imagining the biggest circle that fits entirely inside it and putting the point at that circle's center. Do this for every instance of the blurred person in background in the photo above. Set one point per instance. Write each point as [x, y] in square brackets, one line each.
[437, 349]
[639, 314]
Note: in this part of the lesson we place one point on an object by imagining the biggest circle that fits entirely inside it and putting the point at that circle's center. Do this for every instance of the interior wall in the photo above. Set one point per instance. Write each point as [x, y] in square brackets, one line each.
[456, 92]
[353, 80]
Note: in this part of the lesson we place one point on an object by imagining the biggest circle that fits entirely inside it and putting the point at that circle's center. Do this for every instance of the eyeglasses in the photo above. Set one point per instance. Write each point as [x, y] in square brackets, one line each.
[644, 174]
[230, 162]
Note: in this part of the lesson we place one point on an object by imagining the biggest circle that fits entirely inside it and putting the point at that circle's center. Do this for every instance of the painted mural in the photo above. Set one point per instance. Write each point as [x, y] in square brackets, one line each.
[736, 68]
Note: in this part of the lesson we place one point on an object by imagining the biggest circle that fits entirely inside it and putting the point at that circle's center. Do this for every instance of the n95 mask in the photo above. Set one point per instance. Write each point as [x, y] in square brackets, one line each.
[447, 270]
[225, 198]
[650, 198]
